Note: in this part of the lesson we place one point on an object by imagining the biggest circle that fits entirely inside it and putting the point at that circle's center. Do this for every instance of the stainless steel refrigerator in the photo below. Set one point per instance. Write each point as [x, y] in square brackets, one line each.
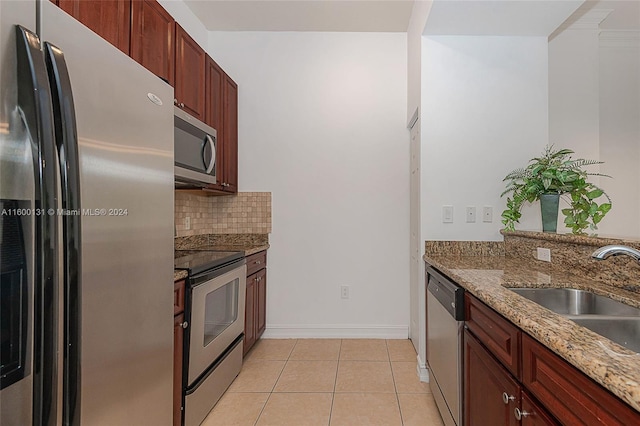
[86, 227]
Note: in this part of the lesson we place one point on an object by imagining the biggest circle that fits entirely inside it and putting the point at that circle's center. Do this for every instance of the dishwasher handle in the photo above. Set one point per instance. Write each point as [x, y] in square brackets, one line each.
[448, 294]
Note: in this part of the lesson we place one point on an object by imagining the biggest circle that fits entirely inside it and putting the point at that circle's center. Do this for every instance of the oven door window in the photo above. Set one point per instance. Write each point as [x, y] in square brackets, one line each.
[221, 310]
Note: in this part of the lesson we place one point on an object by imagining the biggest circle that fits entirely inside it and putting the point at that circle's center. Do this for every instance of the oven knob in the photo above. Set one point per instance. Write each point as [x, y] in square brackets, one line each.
[184, 324]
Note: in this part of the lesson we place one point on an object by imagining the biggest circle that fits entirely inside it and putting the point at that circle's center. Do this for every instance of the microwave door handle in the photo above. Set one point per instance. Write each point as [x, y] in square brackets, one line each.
[212, 162]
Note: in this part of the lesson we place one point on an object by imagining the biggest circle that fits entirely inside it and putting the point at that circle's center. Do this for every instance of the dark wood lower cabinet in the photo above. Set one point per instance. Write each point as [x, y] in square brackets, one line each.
[255, 314]
[491, 395]
[567, 393]
[261, 306]
[178, 338]
[249, 315]
[533, 414]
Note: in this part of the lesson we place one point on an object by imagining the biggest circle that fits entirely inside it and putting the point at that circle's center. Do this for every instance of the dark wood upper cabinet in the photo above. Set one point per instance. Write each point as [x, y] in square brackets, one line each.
[214, 105]
[214, 102]
[190, 75]
[110, 19]
[230, 135]
[153, 38]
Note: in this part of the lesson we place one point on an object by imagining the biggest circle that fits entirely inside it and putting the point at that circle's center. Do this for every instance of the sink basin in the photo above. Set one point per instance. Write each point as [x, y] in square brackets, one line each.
[623, 331]
[614, 320]
[569, 301]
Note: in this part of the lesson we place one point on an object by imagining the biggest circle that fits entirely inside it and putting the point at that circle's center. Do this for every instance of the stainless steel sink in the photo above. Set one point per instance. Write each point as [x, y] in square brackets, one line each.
[623, 331]
[569, 301]
[614, 320]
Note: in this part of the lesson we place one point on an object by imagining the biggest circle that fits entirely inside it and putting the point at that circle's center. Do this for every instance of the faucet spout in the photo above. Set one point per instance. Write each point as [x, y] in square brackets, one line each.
[615, 250]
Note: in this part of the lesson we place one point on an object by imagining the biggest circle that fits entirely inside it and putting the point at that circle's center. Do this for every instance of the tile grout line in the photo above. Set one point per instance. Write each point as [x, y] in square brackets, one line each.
[393, 376]
[335, 382]
[275, 383]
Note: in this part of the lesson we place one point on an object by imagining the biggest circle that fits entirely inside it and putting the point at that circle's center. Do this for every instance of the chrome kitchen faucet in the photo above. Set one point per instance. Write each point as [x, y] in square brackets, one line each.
[614, 250]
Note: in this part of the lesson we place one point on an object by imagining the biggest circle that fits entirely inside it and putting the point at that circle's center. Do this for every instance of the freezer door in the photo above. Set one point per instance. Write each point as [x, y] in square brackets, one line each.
[28, 258]
[124, 118]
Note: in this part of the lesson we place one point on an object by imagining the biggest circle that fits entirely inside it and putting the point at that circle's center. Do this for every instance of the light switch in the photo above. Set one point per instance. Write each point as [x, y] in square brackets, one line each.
[447, 214]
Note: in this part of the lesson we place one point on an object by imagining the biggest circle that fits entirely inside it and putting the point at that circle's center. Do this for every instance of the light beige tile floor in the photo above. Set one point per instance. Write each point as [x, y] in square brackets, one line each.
[328, 382]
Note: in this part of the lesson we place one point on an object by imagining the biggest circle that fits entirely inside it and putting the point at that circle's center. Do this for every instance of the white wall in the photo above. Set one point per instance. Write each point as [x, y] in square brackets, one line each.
[594, 109]
[322, 125]
[620, 132]
[484, 113]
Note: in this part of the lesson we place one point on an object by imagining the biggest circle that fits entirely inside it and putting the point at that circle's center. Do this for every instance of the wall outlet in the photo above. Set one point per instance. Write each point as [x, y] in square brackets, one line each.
[447, 214]
[187, 223]
[471, 214]
[487, 214]
[544, 254]
[344, 291]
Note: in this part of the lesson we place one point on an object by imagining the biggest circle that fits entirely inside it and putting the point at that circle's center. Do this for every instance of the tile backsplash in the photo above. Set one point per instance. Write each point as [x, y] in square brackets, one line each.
[244, 213]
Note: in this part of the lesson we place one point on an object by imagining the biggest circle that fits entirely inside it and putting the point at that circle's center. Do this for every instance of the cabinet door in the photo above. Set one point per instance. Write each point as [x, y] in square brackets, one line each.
[568, 394]
[249, 314]
[495, 332]
[214, 106]
[533, 414]
[178, 337]
[230, 135]
[261, 303]
[110, 19]
[153, 38]
[487, 386]
[190, 69]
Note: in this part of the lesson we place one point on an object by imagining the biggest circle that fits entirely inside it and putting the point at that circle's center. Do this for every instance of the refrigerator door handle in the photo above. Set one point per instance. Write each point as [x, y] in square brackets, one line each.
[67, 142]
[34, 104]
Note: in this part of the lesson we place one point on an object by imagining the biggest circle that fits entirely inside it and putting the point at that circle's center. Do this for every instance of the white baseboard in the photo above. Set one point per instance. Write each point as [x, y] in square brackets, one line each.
[423, 371]
[335, 331]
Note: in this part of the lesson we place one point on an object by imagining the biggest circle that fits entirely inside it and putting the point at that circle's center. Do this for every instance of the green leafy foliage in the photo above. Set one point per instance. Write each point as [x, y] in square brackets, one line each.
[555, 172]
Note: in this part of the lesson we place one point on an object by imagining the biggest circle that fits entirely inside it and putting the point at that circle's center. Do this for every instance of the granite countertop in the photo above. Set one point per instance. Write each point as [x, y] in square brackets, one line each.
[486, 277]
[179, 275]
[248, 249]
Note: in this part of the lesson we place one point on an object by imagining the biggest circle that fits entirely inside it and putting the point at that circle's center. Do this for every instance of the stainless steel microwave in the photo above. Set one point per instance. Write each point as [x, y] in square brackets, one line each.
[195, 151]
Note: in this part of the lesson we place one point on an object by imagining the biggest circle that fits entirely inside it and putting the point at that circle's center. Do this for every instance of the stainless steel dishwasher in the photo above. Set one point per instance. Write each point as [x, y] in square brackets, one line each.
[445, 322]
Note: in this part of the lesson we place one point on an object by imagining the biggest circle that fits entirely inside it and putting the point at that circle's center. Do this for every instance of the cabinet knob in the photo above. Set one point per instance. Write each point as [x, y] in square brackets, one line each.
[175, 101]
[184, 324]
[258, 262]
[506, 398]
[181, 105]
[520, 414]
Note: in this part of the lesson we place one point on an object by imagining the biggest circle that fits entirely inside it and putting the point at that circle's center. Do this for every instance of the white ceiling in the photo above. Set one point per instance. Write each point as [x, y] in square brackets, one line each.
[625, 14]
[498, 17]
[303, 15]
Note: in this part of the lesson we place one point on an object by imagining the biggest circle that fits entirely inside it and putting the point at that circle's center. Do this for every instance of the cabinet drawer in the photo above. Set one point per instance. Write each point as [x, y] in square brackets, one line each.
[500, 336]
[178, 297]
[256, 261]
[569, 395]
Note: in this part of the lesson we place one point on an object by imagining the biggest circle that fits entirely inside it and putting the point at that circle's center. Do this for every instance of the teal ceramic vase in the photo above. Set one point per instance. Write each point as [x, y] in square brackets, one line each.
[549, 208]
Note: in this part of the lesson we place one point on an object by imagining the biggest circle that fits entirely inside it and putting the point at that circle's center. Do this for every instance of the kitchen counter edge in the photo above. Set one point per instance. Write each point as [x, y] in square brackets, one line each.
[487, 277]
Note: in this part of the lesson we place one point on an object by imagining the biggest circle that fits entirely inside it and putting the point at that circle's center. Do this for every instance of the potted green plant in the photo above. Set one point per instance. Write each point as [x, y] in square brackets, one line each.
[548, 177]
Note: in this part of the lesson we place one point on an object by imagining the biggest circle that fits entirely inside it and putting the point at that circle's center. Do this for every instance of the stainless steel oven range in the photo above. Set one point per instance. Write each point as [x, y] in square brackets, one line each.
[214, 315]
